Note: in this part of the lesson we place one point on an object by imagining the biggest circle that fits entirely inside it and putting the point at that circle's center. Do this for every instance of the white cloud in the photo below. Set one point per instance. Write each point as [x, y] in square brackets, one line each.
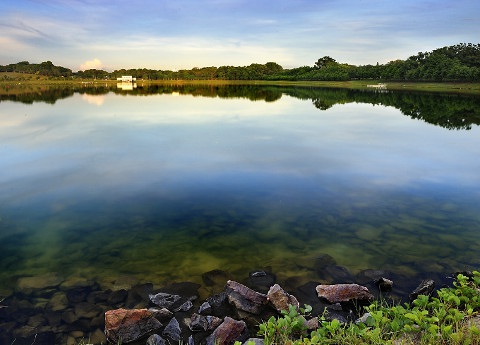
[91, 64]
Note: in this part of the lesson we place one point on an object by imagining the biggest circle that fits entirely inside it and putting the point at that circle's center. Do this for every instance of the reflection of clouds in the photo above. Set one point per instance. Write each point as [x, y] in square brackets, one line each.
[94, 99]
[133, 143]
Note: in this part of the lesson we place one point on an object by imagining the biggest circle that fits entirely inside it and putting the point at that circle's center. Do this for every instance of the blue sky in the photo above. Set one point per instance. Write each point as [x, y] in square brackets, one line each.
[176, 34]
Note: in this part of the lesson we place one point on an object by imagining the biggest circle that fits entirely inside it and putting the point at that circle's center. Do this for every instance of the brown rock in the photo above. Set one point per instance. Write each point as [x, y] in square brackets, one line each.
[280, 299]
[127, 325]
[343, 293]
[244, 298]
[228, 332]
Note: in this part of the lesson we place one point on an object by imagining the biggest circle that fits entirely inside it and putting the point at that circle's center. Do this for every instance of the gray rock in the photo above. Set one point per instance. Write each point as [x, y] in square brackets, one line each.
[244, 298]
[426, 287]
[254, 341]
[162, 315]
[185, 306]
[344, 293]
[172, 330]
[205, 308]
[155, 339]
[384, 284]
[201, 323]
[164, 300]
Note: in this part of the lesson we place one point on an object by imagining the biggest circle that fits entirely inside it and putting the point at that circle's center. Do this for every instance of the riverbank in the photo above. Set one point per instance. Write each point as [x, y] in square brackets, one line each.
[16, 82]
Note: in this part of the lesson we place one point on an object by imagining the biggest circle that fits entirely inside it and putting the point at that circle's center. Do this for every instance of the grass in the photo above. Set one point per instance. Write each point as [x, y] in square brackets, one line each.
[12, 79]
[449, 317]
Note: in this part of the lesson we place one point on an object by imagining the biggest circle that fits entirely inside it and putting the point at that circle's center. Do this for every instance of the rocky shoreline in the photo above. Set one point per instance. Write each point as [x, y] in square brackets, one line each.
[50, 310]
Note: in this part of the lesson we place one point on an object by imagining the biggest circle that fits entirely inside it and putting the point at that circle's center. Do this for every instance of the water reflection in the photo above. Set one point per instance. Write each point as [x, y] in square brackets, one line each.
[452, 111]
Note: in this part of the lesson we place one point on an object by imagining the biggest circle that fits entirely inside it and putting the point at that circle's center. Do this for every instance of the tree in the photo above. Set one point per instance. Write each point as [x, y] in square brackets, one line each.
[324, 62]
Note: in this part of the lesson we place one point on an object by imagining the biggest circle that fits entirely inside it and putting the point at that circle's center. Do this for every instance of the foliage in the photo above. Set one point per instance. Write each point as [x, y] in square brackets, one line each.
[447, 318]
[458, 63]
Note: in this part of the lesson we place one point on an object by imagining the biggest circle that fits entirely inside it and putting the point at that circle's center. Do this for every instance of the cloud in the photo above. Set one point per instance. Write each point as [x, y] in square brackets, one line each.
[91, 64]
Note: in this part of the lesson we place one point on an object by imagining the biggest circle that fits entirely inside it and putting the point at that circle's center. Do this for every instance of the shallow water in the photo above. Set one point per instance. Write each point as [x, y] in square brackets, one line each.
[166, 185]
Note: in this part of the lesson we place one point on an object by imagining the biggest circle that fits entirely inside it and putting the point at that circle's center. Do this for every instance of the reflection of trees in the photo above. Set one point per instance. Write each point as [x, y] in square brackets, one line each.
[452, 111]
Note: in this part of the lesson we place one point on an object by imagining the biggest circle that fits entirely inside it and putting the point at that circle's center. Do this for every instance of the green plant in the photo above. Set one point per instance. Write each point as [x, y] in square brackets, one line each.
[451, 317]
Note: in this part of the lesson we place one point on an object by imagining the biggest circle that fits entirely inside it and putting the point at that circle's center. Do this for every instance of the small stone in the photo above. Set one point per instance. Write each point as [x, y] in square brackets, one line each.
[201, 323]
[255, 341]
[426, 287]
[87, 310]
[118, 296]
[205, 308]
[244, 298]
[172, 330]
[155, 339]
[344, 293]
[98, 337]
[280, 299]
[164, 300]
[228, 332]
[162, 315]
[28, 284]
[384, 284]
[58, 302]
[185, 306]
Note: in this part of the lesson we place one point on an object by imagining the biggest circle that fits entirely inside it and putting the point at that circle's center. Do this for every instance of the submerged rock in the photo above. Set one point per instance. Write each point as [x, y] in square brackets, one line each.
[261, 280]
[129, 325]
[344, 293]
[244, 298]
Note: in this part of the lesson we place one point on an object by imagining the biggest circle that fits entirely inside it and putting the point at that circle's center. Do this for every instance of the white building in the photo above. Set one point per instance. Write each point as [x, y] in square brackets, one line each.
[127, 79]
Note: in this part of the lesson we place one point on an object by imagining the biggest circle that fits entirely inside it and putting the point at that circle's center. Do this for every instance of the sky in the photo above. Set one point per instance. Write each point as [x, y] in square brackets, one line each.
[183, 34]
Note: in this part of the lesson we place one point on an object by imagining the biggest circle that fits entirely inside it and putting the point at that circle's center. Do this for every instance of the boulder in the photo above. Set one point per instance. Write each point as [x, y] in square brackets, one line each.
[162, 315]
[128, 325]
[172, 330]
[185, 306]
[344, 293]
[201, 323]
[228, 332]
[205, 308]
[280, 299]
[425, 288]
[244, 298]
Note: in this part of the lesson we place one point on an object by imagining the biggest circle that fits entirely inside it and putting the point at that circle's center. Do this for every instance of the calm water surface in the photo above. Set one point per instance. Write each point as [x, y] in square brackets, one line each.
[164, 187]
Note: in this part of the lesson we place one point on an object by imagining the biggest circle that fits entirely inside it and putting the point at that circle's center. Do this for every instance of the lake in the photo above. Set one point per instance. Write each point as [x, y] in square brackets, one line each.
[165, 183]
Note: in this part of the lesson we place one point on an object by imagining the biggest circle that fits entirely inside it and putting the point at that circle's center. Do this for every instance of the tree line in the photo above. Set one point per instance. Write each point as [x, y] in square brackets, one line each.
[458, 63]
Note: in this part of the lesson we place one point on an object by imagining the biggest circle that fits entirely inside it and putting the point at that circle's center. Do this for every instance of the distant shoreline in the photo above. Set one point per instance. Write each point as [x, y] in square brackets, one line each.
[450, 87]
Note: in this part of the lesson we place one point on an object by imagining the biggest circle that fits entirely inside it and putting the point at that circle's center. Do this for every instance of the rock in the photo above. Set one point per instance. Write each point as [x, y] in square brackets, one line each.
[164, 300]
[117, 297]
[280, 299]
[57, 302]
[201, 323]
[185, 306]
[244, 298]
[172, 330]
[215, 277]
[127, 325]
[162, 315]
[370, 275]
[191, 341]
[27, 285]
[335, 274]
[228, 332]
[97, 337]
[155, 339]
[324, 260]
[205, 308]
[87, 310]
[77, 295]
[344, 293]
[363, 318]
[138, 296]
[69, 316]
[261, 280]
[384, 284]
[425, 288]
